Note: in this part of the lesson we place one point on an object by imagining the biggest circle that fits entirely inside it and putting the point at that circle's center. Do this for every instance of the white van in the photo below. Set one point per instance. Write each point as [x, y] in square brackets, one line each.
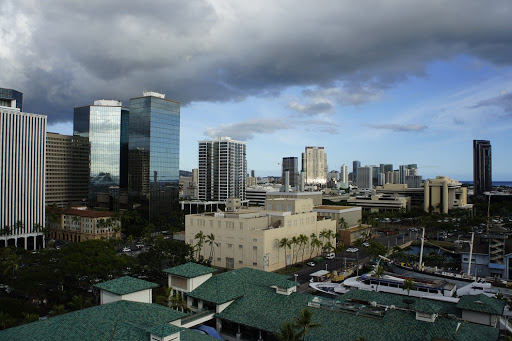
[330, 255]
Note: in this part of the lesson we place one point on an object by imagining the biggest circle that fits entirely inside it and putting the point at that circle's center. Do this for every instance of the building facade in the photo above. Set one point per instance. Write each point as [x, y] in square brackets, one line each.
[75, 225]
[482, 166]
[11, 99]
[67, 170]
[251, 237]
[442, 194]
[154, 154]
[22, 178]
[314, 166]
[355, 166]
[291, 165]
[222, 169]
[365, 177]
[344, 174]
[105, 125]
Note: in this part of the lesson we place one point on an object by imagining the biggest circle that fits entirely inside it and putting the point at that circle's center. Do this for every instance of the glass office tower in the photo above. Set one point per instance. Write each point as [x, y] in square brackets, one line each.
[104, 124]
[482, 166]
[153, 154]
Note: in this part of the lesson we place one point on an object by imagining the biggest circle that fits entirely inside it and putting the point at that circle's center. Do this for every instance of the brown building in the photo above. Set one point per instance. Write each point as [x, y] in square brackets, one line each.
[77, 225]
[67, 170]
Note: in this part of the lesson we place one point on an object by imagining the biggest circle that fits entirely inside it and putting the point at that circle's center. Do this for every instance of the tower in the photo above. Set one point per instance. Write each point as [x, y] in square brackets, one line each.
[222, 169]
[22, 178]
[314, 165]
[154, 154]
[290, 164]
[355, 166]
[105, 125]
[482, 168]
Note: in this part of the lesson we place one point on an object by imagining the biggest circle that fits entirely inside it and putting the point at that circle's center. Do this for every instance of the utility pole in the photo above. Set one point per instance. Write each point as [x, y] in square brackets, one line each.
[421, 253]
[471, 254]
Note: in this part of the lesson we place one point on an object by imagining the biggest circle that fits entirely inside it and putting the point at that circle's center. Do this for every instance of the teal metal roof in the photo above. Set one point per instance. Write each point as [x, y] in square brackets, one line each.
[261, 308]
[120, 321]
[230, 285]
[164, 330]
[481, 303]
[125, 285]
[190, 270]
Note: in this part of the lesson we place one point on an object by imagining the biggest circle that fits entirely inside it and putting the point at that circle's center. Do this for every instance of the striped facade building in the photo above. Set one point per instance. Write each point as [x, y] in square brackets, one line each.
[22, 178]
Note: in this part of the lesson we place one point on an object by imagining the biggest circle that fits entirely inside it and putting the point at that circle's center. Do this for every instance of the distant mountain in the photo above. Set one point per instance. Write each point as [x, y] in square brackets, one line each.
[185, 173]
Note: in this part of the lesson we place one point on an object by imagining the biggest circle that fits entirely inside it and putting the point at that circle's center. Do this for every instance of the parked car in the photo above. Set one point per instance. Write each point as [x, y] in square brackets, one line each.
[126, 249]
[330, 255]
[353, 249]
[366, 244]
[311, 263]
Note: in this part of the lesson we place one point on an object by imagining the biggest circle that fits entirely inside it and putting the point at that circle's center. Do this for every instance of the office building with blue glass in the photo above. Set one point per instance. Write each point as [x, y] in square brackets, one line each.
[154, 145]
[11, 98]
[105, 124]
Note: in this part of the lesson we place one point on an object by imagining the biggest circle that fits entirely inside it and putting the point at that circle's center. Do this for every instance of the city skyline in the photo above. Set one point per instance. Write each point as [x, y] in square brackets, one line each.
[372, 90]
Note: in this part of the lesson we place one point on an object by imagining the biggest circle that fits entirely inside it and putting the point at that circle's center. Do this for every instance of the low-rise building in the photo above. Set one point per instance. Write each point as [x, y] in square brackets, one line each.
[315, 196]
[442, 194]
[251, 237]
[345, 216]
[77, 225]
[350, 235]
[381, 203]
[403, 190]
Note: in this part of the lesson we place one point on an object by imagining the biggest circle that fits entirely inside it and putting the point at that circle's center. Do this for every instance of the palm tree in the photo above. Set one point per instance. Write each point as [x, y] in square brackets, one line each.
[295, 241]
[305, 323]
[57, 310]
[210, 239]
[315, 243]
[286, 244]
[287, 333]
[323, 234]
[6, 321]
[379, 272]
[408, 285]
[303, 240]
[343, 223]
[200, 241]
[12, 262]
[29, 317]
[78, 302]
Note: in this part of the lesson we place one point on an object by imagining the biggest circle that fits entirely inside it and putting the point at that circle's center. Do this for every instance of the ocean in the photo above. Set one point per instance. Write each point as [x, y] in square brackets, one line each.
[494, 183]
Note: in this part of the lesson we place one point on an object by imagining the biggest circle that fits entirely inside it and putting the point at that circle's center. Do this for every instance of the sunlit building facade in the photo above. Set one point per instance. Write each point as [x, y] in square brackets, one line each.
[314, 166]
[22, 178]
[154, 154]
[105, 124]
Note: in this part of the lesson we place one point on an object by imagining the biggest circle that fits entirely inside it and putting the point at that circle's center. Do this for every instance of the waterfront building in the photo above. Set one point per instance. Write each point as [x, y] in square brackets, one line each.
[314, 166]
[290, 164]
[105, 125]
[482, 166]
[67, 170]
[22, 177]
[154, 154]
[222, 169]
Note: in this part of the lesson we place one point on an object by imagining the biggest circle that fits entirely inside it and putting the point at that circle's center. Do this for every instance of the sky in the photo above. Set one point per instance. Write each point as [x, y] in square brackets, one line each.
[395, 81]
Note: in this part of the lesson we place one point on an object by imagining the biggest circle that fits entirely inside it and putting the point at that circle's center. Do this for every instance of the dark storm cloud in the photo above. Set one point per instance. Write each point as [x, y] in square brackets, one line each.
[503, 101]
[63, 54]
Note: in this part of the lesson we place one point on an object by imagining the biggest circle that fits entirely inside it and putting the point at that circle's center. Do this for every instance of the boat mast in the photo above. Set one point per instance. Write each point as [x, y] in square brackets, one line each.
[421, 252]
[471, 253]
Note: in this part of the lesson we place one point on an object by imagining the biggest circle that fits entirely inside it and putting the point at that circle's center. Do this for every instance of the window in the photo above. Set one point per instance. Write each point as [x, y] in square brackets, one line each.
[255, 263]
[230, 263]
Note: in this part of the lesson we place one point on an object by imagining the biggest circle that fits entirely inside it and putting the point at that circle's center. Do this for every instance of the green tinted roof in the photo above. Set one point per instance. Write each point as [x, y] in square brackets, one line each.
[481, 303]
[125, 285]
[190, 270]
[164, 330]
[261, 308]
[230, 285]
[121, 320]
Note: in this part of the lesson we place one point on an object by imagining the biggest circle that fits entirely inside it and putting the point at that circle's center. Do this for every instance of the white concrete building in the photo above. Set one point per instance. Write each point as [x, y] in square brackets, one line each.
[22, 178]
[314, 166]
[222, 169]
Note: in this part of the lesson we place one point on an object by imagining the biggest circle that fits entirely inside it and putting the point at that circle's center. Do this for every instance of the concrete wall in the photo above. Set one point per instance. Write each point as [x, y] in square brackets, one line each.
[475, 317]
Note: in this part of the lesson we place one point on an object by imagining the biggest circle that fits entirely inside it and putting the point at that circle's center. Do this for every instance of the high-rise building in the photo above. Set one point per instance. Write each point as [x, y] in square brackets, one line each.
[355, 166]
[291, 164]
[344, 174]
[482, 166]
[22, 178]
[385, 167]
[222, 169]
[11, 99]
[105, 124]
[407, 170]
[67, 170]
[365, 177]
[154, 154]
[314, 166]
